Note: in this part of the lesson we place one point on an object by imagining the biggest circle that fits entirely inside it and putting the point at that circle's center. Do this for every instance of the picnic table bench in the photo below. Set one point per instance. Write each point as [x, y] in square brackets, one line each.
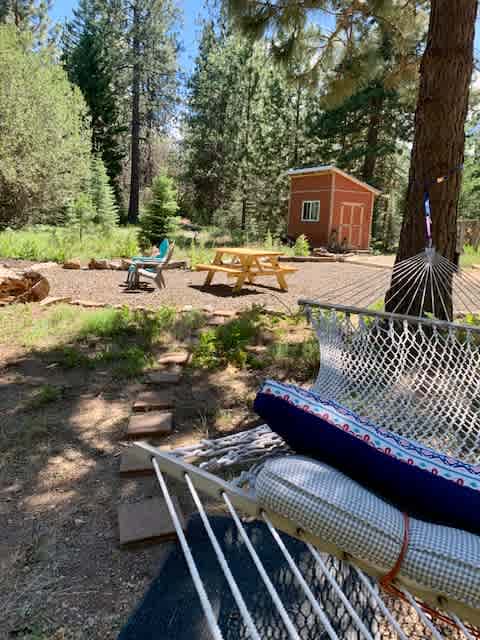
[247, 265]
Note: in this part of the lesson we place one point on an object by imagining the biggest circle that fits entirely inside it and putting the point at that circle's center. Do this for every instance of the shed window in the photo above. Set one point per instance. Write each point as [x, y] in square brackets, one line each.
[311, 211]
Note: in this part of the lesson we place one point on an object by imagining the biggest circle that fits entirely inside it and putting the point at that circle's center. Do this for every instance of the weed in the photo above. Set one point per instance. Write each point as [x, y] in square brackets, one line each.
[72, 358]
[46, 394]
[227, 343]
[300, 358]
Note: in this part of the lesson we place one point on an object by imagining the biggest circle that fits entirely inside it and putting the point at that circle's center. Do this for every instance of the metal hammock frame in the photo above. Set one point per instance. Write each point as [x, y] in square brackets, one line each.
[398, 389]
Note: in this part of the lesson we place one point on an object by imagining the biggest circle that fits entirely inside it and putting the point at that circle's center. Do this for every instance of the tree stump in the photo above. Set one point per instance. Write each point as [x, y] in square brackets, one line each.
[22, 286]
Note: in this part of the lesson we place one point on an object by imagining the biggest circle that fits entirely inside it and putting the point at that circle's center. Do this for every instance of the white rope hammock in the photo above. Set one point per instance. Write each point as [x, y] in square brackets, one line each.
[393, 619]
[417, 376]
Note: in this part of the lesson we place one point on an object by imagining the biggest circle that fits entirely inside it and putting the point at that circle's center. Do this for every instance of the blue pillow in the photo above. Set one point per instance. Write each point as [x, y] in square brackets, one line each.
[418, 480]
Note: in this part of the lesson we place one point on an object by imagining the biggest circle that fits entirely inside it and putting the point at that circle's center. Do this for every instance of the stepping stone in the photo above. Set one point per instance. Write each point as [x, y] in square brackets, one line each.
[147, 521]
[225, 314]
[135, 462]
[154, 399]
[162, 376]
[150, 423]
[216, 321]
[174, 357]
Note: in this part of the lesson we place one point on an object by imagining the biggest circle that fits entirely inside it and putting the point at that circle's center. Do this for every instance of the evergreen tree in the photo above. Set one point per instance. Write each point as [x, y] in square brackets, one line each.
[123, 57]
[153, 81]
[80, 214]
[157, 220]
[439, 143]
[91, 55]
[103, 198]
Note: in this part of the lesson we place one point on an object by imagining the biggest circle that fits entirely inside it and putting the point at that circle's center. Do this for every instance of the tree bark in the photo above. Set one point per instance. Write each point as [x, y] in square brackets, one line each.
[438, 148]
[134, 201]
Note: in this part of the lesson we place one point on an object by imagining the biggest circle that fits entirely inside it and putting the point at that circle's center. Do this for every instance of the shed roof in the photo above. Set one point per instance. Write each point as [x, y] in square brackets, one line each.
[332, 169]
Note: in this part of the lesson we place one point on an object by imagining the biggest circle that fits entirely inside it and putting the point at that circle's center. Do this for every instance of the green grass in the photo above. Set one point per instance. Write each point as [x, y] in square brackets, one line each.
[57, 244]
[43, 243]
[121, 340]
[470, 257]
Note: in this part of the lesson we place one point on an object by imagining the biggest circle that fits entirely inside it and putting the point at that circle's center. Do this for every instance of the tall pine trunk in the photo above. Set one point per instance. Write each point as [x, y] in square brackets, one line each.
[134, 201]
[374, 124]
[246, 151]
[438, 148]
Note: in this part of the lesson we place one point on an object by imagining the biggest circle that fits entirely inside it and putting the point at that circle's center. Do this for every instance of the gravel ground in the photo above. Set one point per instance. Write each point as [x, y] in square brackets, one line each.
[185, 287]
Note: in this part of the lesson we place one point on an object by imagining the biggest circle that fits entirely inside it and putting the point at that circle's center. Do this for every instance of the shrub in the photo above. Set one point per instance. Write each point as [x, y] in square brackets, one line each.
[45, 137]
[158, 220]
[302, 246]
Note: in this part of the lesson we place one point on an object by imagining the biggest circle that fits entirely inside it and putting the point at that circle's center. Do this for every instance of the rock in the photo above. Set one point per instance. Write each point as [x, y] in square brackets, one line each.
[124, 264]
[51, 300]
[72, 264]
[176, 264]
[186, 308]
[90, 304]
[22, 286]
[114, 265]
[98, 264]
[40, 266]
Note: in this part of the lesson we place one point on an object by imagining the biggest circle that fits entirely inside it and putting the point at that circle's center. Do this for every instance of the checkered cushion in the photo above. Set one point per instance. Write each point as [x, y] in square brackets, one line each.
[331, 506]
[423, 482]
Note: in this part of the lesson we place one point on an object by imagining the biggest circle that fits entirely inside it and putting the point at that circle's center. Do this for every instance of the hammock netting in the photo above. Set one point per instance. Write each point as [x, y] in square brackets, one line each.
[418, 378]
[412, 374]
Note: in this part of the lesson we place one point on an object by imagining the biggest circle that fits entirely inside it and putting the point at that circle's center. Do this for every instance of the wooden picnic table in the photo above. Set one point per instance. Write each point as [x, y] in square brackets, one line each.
[247, 265]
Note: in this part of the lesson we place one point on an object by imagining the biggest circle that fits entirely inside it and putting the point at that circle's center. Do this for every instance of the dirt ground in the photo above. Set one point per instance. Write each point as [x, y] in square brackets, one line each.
[185, 287]
[64, 575]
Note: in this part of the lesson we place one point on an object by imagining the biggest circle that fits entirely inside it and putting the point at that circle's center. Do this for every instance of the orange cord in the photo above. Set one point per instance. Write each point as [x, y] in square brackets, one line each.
[387, 580]
[393, 573]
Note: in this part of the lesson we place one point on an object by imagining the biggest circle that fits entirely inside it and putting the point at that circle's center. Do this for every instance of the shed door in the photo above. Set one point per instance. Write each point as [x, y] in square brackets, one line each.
[351, 223]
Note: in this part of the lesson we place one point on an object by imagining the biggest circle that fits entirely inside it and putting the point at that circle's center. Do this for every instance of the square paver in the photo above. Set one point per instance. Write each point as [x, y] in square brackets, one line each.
[150, 423]
[154, 399]
[136, 462]
[147, 521]
[163, 376]
[216, 321]
[174, 357]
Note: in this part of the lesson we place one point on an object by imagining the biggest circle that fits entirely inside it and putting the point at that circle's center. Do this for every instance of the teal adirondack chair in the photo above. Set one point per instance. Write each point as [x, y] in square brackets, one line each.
[138, 262]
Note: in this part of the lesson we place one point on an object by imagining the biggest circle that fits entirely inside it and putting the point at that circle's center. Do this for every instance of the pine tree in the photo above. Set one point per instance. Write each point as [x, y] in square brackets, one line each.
[80, 214]
[103, 197]
[153, 80]
[91, 54]
[157, 220]
[439, 143]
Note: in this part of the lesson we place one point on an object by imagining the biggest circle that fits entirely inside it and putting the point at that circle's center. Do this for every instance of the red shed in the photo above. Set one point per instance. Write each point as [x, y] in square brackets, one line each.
[330, 207]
